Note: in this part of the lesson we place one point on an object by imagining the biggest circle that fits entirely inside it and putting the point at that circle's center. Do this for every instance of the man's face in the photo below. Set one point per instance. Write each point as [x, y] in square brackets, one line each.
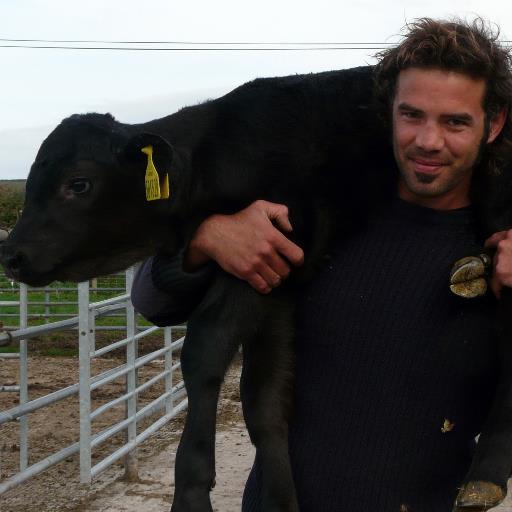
[438, 129]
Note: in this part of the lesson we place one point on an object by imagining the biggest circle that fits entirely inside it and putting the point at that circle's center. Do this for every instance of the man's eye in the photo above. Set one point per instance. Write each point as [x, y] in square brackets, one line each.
[409, 114]
[457, 122]
[79, 186]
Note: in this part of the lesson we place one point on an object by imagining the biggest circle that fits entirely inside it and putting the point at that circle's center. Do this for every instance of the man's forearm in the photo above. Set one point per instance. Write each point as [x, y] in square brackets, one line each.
[248, 245]
[502, 275]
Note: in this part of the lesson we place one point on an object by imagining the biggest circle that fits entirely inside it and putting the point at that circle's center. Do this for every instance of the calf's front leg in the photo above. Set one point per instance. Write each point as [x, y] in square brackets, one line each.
[231, 314]
[486, 483]
[213, 336]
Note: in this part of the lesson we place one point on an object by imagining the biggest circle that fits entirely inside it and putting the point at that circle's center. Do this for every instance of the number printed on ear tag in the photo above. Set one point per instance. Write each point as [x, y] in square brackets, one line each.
[152, 181]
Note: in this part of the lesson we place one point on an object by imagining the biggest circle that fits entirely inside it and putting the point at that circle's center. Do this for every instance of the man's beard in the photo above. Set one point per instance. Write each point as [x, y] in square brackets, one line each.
[477, 167]
[424, 178]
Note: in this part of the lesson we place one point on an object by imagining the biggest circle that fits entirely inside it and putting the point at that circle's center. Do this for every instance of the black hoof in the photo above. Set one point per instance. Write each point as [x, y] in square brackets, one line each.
[192, 500]
[478, 497]
[291, 508]
[281, 506]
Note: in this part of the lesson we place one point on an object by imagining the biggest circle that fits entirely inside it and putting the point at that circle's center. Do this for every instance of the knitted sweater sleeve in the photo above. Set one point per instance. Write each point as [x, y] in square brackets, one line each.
[164, 293]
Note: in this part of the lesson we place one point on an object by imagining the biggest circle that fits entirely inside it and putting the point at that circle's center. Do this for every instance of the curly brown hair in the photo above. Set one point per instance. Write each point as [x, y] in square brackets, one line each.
[471, 48]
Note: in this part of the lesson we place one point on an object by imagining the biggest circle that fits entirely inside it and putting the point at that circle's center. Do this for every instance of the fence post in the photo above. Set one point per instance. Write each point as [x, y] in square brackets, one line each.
[84, 354]
[130, 463]
[23, 377]
[169, 402]
[93, 283]
[46, 305]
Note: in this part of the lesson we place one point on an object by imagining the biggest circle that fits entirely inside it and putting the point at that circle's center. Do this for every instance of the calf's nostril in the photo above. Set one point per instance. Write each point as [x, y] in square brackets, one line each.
[12, 260]
[16, 261]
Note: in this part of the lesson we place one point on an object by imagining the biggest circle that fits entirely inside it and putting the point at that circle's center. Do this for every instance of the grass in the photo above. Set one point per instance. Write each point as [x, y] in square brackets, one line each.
[8, 350]
[16, 185]
[56, 296]
[59, 352]
[65, 343]
[47, 352]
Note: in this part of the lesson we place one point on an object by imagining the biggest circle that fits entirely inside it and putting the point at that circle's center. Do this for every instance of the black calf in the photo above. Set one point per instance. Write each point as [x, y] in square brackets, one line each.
[298, 140]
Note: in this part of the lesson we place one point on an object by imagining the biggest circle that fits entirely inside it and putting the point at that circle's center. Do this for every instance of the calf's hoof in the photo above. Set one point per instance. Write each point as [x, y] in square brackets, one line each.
[277, 508]
[478, 497]
[290, 506]
[191, 507]
[467, 277]
[192, 500]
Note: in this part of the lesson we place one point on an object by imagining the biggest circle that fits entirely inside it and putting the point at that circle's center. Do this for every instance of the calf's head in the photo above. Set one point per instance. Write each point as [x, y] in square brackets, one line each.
[86, 212]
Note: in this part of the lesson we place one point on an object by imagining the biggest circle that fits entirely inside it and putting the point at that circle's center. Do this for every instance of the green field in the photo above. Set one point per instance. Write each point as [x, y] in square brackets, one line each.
[60, 299]
[15, 185]
[12, 193]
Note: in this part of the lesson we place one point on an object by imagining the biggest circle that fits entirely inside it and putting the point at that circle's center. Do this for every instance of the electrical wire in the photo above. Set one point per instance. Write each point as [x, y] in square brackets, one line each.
[191, 46]
[207, 49]
[205, 43]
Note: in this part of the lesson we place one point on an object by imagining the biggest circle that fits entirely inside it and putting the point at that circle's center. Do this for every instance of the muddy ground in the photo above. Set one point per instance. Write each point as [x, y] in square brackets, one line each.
[55, 427]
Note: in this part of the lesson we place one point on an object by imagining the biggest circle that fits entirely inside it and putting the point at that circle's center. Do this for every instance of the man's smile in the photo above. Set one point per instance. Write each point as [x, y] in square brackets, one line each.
[426, 166]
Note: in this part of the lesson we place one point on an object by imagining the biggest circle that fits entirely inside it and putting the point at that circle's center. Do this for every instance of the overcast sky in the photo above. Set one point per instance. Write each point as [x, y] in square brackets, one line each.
[39, 87]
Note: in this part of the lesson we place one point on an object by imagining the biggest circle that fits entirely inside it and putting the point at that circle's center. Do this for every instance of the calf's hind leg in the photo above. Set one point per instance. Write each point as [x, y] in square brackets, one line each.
[267, 393]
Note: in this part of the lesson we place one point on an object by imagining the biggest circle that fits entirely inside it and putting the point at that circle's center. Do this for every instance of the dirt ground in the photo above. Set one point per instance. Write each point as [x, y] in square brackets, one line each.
[58, 489]
[154, 491]
[55, 427]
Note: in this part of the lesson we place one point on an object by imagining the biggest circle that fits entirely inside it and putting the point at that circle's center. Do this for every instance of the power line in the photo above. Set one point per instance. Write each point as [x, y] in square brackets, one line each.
[202, 43]
[195, 49]
[206, 43]
[191, 46]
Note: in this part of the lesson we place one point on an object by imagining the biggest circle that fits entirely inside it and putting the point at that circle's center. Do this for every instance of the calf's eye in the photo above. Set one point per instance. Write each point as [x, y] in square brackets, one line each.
[79, 186]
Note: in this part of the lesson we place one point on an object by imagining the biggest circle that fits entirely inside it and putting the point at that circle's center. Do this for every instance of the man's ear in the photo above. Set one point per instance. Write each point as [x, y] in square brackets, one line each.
[496, 125]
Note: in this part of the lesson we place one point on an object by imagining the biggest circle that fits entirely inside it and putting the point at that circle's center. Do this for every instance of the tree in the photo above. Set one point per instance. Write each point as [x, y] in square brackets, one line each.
[11, 202]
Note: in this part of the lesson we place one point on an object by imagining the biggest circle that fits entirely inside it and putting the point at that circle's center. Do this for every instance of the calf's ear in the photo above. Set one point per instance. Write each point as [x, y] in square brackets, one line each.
[150, 156]
[132, 153]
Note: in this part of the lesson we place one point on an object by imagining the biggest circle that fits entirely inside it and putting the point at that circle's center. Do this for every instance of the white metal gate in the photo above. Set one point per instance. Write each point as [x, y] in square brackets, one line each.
[171, 401]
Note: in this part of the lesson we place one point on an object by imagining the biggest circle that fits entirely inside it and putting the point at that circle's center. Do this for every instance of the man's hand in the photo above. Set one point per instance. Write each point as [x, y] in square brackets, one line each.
[248, 245]
[502, 275]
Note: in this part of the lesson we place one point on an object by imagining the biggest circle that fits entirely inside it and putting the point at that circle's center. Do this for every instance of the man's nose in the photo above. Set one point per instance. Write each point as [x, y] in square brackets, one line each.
[430, 137]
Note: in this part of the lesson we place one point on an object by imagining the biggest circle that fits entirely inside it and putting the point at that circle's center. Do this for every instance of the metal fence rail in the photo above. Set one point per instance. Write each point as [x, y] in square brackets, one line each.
[55, 302]
[171, 401]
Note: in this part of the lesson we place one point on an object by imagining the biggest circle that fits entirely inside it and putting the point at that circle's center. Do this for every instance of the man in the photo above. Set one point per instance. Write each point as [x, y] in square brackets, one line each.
[394, 374]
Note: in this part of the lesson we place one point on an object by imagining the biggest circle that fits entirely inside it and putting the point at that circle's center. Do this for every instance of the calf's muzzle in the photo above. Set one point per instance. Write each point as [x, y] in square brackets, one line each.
[13, 260]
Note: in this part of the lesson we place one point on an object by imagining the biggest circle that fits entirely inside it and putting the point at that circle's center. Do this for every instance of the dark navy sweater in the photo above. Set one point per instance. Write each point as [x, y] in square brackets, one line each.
[385, 354]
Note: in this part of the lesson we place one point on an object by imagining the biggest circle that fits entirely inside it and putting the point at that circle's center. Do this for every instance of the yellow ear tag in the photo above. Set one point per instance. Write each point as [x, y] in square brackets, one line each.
[152, 180]
[165, 187]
